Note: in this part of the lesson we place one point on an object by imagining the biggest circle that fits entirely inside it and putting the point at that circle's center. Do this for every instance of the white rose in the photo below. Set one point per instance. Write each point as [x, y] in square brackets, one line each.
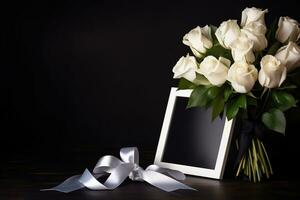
[289, 55]
[227, 33]
[256, 32]
[241, 49]
[186, 68]
[242, 76]
[253, 15]
[215, 70]
[288, 30]
[199, 40]
[272, 72]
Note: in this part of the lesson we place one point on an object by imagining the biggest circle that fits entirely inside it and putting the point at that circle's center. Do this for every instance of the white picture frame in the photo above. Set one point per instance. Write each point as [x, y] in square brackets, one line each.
[218, 170]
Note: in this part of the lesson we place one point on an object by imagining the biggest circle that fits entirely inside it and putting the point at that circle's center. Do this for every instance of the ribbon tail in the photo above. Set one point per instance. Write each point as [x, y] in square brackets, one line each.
[88, 180]
[69, 185]
[169, 172]
[164, 182]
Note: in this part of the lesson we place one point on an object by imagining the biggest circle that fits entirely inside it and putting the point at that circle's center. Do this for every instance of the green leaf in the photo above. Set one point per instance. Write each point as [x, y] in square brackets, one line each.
[274, 119]
[217, 51]
[201, 80]
[232, 110]
[234, 105]
[213, 31]
[185, 84]
[213, 28]
[283, 100]
[213, 92]
[198, 97]
[242, 101]
[227, 92]
[217, 106]
[273, 49]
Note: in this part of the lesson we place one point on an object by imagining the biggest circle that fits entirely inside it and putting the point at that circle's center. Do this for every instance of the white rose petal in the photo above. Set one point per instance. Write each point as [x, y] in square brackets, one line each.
[289, 55]
[241, 49]
[186, 68]
[288, 30]
[242, 76]
[215, 70]
[199, 40]
[272, 72]
[256, 28]
[228, 32]
[253, 15]
[256, 33]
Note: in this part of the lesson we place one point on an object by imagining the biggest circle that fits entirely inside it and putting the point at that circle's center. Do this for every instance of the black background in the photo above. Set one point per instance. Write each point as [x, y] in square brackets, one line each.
[81, 77]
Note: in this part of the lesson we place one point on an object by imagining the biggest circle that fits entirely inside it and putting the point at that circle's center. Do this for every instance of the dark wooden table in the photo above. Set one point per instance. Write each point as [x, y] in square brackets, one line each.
[207, 189]
[22, 180]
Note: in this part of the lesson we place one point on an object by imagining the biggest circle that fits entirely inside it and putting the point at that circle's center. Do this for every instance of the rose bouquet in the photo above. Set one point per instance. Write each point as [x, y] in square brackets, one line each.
[247, 72]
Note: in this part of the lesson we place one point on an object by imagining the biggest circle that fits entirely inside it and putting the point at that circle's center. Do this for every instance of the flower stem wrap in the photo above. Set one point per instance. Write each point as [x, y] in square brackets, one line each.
[252, 156]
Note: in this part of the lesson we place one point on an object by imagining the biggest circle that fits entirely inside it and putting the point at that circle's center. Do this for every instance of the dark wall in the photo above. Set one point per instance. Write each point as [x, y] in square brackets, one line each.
[90, 75]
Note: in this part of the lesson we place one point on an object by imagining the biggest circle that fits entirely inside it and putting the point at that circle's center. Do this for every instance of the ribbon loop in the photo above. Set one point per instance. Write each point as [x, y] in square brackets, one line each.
[121, 169]
[130, 155]
[106, 164]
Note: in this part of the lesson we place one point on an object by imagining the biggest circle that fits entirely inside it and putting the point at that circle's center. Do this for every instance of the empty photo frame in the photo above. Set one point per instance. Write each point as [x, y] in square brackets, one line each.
[190, 141]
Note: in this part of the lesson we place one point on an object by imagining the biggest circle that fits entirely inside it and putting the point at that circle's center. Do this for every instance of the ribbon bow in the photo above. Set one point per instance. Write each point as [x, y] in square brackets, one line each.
[119, 170]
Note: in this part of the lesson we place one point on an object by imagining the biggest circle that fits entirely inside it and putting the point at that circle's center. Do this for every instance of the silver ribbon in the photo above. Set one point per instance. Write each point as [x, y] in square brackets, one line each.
[119, 170]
